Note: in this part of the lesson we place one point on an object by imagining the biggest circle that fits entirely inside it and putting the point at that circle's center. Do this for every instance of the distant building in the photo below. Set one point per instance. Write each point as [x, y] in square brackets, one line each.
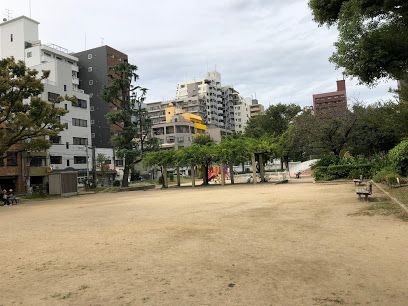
[331, 104]
[179, 128]
[256, 109]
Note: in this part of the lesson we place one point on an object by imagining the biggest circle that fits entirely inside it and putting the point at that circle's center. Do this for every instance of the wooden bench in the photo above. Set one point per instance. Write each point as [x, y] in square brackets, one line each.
[365, 192]
[358, 181]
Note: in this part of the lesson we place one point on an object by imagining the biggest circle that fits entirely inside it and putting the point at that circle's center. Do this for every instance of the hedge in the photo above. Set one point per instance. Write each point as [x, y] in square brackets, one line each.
[334, 172]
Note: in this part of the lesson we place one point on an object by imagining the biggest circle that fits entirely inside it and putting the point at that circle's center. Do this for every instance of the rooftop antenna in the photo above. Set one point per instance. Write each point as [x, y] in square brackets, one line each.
[8, 13]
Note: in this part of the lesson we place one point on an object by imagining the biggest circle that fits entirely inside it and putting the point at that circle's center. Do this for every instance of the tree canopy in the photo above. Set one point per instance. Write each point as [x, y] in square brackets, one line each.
[133, 127]
[25, 119]
[373, 36]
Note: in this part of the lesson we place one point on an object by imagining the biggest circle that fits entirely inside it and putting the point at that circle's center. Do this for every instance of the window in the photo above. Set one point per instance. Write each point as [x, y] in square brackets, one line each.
[80, 141]
[90, 82]
[79, 160]
[56, 160]
[89, 69]
[47, 54]
[93, 135]
[66, 106]
[53, 97]
[79, 122]
[80, 103]
[90, 95]
[11, 38]
[89, 56]
[119, 162]
[65, 87]
[37, 161]
[92, 108]
[29, 54]
[55, 139]
[11, 159]
[92, 121]
[67, 162]
[67, 145]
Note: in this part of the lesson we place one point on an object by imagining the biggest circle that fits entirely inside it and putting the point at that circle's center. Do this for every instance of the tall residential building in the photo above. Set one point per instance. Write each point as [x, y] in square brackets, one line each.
[331, 104]
[19, 38]
[94, 65]
[242, 109]
[210, 93]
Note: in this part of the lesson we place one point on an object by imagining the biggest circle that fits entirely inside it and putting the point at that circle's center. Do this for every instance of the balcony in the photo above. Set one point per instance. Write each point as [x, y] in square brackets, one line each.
[75, 81]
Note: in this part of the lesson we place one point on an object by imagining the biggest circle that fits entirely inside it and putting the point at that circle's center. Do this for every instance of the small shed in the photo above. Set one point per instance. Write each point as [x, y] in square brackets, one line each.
[63, 183]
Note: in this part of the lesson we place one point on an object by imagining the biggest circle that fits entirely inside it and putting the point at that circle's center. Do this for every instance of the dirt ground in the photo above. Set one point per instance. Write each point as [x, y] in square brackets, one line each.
[294, 244]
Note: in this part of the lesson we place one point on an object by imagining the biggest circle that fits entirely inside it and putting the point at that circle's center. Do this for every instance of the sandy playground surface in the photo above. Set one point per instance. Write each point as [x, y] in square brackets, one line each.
[293, 244]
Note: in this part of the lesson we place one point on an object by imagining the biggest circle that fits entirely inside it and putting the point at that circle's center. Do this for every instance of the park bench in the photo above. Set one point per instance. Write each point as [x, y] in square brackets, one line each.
[367, 191]
[358, 181]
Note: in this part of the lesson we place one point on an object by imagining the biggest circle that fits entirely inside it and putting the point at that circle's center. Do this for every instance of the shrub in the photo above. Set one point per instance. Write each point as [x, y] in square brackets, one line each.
[326, 161]
[399, 157]
[388, 176]
[116, 183]
[334, 172]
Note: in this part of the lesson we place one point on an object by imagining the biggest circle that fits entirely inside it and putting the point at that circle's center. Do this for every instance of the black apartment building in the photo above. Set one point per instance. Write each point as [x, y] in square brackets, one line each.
[94, 66]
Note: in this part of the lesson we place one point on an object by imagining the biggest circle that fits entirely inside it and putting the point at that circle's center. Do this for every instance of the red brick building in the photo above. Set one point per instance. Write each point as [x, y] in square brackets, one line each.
[331, 104]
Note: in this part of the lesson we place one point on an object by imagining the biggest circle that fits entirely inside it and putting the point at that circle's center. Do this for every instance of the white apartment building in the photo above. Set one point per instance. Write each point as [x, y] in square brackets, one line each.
[19, 38]
[242, 113]
[209, 89]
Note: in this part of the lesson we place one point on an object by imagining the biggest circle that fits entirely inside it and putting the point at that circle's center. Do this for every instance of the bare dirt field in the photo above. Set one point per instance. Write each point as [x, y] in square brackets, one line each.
[294, 244]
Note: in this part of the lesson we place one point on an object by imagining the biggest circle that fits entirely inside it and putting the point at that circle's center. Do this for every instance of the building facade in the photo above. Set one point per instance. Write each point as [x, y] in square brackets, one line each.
[69, 150]
[94, 66]
[256, 109]
[331, 104]
[179, 128]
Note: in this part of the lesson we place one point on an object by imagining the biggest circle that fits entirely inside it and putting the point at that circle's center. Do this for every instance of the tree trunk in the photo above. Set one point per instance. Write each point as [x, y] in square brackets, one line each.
[253, 167]
[261, 168]
[205, 174]
[125, 179]
[287, 164]
[193, 176]
[178, 176]
[165, 183]
[231, 169]
[222, 175]
[243, 167]
[281, 163]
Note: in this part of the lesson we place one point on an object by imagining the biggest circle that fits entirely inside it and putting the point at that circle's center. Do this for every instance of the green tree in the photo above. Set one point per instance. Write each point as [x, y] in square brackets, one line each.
[134, 136]
[399, 157]
[373, 36]
[204, 153]
[274, 122]
[26, 121]
[163, 159]
[232, 151]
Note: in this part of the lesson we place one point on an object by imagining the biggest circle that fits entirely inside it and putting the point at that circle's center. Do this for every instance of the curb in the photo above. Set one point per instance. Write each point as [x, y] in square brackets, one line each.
[405, 208]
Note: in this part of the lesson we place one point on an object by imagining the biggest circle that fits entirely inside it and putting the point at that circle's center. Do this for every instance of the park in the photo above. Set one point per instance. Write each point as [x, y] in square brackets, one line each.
[300, 243]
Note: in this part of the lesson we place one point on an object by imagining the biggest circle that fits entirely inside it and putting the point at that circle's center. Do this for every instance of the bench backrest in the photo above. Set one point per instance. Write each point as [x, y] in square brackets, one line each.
[370, 188]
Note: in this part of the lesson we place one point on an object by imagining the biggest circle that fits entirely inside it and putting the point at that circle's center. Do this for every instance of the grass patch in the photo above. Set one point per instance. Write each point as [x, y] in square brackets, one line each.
[400, 193]
[382, 207]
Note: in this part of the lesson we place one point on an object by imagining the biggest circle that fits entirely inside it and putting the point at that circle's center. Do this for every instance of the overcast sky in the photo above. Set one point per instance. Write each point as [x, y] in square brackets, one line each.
[268, 47]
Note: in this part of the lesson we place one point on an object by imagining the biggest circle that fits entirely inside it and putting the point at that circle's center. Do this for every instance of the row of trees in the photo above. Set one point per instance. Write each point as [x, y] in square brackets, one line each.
[232, 150]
